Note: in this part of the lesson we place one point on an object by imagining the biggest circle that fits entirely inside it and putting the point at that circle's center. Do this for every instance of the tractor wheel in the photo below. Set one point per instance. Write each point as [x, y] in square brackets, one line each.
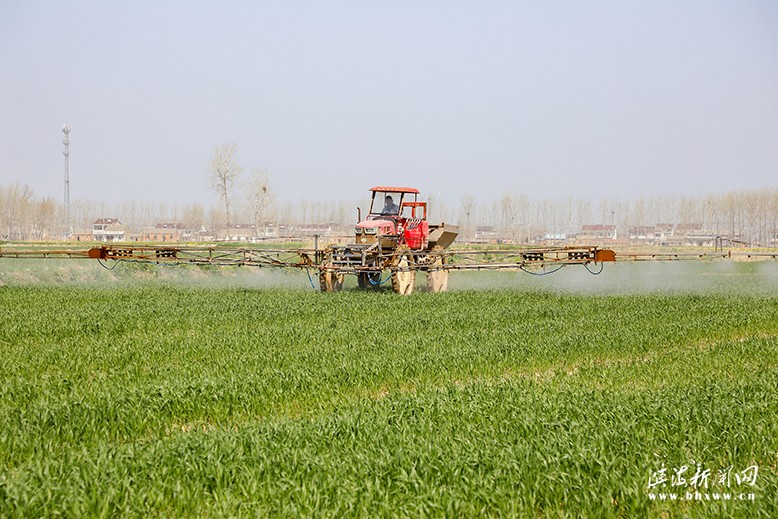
[437, 276]
[403, 274]
[329, 280]
[368, 280]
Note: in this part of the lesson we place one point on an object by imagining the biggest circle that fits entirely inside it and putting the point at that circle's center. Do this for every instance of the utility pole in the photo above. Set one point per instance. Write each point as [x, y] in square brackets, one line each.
[66, 153]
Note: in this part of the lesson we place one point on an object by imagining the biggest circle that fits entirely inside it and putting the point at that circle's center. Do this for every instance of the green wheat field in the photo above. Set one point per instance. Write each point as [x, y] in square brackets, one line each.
[146, 391]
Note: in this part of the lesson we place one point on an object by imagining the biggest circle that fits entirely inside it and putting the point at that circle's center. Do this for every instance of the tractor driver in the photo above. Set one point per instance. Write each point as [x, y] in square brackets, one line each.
[389, 206]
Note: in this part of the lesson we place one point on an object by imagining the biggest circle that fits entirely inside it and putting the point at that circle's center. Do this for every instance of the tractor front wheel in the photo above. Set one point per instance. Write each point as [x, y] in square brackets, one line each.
[403, 274]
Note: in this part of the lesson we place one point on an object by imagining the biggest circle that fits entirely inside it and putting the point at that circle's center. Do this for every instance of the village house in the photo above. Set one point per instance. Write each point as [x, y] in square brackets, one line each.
[557, 238]
[642, 234]
[597, 232]
[675, 235]
[693, 234]
[664, 233]
[81, 235]
[164, 232]
[266, 230]
[238, 232]
[108, 229]
[485, 234]
[314, 229]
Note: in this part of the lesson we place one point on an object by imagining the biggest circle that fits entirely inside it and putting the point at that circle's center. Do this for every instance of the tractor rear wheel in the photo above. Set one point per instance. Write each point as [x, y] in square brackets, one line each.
[437, 276]
[330, 280]
[369, 280]
[403, 274]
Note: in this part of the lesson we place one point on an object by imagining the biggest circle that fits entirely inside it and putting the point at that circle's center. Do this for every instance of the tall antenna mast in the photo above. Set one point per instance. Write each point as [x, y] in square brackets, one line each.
[66, 153]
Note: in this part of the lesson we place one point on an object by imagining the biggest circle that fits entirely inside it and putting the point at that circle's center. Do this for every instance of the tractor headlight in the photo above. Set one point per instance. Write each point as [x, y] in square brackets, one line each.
[370, 230]
[358, 230]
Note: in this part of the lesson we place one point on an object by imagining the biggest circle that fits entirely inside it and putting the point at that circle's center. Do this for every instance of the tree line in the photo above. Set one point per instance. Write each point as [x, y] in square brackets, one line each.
[750, 216]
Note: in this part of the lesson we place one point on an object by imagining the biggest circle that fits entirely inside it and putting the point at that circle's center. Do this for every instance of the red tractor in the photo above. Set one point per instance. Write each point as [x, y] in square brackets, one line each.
[395, 237]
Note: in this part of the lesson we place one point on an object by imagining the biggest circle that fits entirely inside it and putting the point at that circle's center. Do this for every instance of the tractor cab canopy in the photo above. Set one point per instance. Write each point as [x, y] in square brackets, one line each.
[387, 200]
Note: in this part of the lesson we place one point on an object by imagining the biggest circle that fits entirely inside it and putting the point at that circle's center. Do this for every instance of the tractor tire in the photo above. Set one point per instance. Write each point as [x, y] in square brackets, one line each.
[368, 280]
[437, 276]
[329, 280]
[403, 273]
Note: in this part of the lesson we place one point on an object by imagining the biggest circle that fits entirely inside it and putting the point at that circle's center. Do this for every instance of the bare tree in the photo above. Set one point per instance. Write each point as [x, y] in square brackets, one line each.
[638, 213]
[305, 206]
[467, 210]
[687, 210]
[287, 218]
[44, 219]
[731, 209]
[751, 211]
[437, 208]
[16, 203]
[194, 220]
[509, 205]
[260, 198]
[773, 226]
[224, 170]
[567, 215]
[215, 220]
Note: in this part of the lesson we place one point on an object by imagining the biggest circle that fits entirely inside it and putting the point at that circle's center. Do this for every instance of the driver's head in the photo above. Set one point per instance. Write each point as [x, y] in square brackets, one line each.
[388, 200]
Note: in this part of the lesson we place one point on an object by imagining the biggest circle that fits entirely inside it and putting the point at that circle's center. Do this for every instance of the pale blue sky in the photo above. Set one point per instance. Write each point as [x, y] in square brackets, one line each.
[548, 98]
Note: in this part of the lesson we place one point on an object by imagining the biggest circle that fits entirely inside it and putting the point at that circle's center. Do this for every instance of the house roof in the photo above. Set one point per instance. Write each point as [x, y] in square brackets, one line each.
[165, 225]
[239, 226]
[598, 227]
